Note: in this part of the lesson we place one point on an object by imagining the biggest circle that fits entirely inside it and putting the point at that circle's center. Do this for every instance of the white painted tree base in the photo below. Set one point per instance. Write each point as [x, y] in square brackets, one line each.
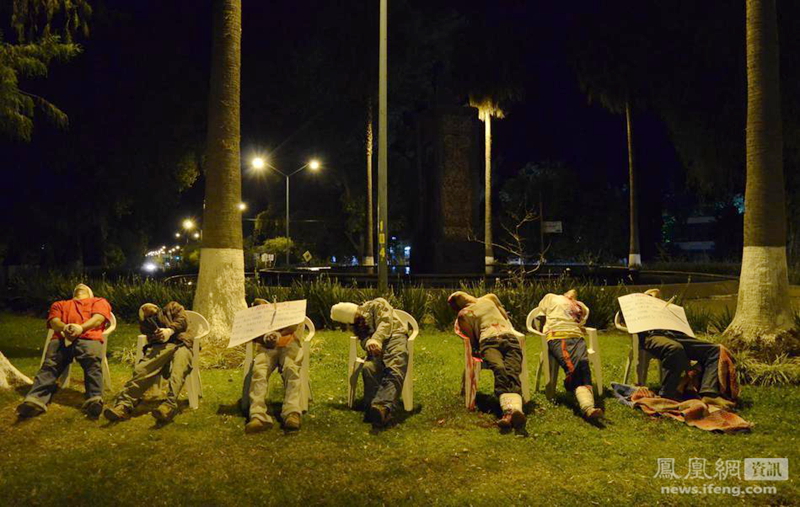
[11, 377]
[369, 261]
[763, 310]
[220, 293]
[634, 260]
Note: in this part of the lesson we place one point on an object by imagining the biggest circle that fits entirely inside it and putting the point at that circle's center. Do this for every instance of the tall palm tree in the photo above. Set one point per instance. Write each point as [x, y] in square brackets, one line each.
[220, 284]
[763, 310]
[634, 257]
[488, 108]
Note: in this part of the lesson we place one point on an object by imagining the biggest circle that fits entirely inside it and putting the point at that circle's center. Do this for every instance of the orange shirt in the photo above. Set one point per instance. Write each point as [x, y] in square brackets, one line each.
[78, 311]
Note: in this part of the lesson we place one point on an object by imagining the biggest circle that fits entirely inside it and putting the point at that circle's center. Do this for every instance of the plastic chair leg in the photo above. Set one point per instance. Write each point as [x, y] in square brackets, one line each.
[408, 382]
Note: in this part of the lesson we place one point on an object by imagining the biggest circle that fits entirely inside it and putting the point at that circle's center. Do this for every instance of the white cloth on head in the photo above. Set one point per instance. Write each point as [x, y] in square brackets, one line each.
[511, 402]
[344, 312]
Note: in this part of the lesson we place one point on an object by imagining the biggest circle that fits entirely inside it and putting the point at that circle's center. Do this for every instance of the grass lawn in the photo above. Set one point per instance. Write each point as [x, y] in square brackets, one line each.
[439, 454]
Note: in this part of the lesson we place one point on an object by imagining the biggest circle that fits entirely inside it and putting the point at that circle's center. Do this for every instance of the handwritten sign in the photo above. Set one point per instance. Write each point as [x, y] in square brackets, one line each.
[646, 313]
[259, 320]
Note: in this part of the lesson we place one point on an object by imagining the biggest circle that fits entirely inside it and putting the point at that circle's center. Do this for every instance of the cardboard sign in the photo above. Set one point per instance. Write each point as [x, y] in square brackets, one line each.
[259, 320]
[646, 313]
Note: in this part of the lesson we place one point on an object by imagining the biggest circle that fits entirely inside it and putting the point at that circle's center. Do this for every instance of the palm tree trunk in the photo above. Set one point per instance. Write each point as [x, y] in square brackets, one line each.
[763, 310]
[369, 259]
[10, 376]
[634, 257]
[487, 224]
[220, 284]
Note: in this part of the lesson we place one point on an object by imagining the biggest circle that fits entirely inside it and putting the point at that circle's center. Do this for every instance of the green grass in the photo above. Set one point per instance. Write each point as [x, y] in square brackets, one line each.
[440, 454]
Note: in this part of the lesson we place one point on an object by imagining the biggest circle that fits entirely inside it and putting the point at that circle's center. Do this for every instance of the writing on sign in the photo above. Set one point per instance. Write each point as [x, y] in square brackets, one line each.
[259, 320]
[646, 313]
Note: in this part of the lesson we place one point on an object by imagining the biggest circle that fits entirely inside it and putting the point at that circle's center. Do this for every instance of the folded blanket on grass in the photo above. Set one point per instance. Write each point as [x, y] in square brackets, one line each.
[692, 411]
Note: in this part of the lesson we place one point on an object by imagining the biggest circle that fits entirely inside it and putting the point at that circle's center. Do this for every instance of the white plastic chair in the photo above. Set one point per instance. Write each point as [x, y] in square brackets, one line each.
[551, 368]
[63, 380]
[309, 330]
[638, 358]
[472, 374]
[355, 364]
[199, 327]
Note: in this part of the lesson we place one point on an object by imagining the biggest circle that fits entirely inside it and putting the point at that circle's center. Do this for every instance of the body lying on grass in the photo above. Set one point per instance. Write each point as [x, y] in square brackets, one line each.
[167, 354]
[385, 339]
[278, 349]
[566, 340]
[77, 325]
[485, 323]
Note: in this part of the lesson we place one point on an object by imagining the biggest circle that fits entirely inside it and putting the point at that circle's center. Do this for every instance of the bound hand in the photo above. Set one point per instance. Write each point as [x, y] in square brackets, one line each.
[72, 331]
[164, 333]
[374, 348]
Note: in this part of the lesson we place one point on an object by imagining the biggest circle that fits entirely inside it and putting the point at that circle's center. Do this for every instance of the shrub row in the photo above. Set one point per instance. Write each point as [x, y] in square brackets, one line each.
[429, 306]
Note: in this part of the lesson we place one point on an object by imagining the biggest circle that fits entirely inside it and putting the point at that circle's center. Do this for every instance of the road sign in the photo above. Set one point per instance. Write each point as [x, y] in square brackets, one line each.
[553, 227]
[307, 256]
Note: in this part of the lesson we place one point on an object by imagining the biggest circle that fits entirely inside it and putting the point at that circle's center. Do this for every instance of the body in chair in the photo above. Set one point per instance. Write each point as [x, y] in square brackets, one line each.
[484, 324]
[287, 350]
[167, 354]
[563, 342]
[385, 338]
[79, 329]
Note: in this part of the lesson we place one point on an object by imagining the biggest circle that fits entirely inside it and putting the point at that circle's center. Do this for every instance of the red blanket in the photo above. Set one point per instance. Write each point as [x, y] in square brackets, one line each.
[692, 412]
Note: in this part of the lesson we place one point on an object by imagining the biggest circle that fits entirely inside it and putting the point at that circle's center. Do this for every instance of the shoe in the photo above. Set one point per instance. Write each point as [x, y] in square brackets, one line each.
[94, 409]
[518, 419]
[379, 416]
[26, 410]
[506, 422]
[256, 425]
[593, 413]
[292, 422]
[118, 413]
[164, 413]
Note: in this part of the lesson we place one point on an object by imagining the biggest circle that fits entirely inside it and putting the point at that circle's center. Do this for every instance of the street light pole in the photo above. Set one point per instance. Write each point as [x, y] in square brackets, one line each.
[287, 218]
[383, 212]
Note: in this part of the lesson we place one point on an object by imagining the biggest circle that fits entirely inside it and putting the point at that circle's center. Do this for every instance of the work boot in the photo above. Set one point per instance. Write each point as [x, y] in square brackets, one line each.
[379, 416]
[256, 425]
[292, 422]
[593, 413]
[164, 413]
[26, 410]
[507, 421]
[118, 413]
[94, 408]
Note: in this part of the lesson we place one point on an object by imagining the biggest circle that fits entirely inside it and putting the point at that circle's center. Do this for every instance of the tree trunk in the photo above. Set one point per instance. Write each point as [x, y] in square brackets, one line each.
[634, 256]
[487, 224]
[763, 311]
[220, 285]
[11, 377]
[369, 259]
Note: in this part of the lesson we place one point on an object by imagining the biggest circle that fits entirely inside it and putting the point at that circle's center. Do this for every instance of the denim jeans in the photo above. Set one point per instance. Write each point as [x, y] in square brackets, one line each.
[384, 375]
[88, 353]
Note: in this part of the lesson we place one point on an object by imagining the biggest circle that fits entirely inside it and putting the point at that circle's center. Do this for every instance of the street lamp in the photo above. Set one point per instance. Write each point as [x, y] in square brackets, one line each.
[177, 234]
[188, 224]
[259, 163]
[242, 206]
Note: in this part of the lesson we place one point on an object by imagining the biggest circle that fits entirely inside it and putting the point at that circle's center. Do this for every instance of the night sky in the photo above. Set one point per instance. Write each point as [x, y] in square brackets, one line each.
[138, 95]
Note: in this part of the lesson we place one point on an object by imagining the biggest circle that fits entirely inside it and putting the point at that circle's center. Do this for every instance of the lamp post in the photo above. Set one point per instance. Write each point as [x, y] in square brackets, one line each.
[188, 225]
[260, 163]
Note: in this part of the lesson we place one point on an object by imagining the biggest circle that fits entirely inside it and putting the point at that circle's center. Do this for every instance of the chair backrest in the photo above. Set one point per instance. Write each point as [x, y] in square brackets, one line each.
[310, 329]
[198, 324]
[618, 322]
[533, 323]
[112, 325]
[409, 321]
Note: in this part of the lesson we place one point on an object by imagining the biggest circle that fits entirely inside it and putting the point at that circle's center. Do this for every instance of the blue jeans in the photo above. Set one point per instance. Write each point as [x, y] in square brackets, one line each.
[88, 353]
[384, 375]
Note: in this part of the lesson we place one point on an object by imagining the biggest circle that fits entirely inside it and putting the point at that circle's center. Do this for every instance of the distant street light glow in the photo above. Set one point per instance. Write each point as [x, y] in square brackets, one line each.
[258, 163]
[177, 234]
[314, 164]
[149, 267]
[188, 224]
[196, 235]
[242, 206]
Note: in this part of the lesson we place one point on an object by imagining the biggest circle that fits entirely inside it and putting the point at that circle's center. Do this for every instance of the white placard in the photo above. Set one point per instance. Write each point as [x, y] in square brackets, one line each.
[259, 320]
[553, 227]
[646, 313]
